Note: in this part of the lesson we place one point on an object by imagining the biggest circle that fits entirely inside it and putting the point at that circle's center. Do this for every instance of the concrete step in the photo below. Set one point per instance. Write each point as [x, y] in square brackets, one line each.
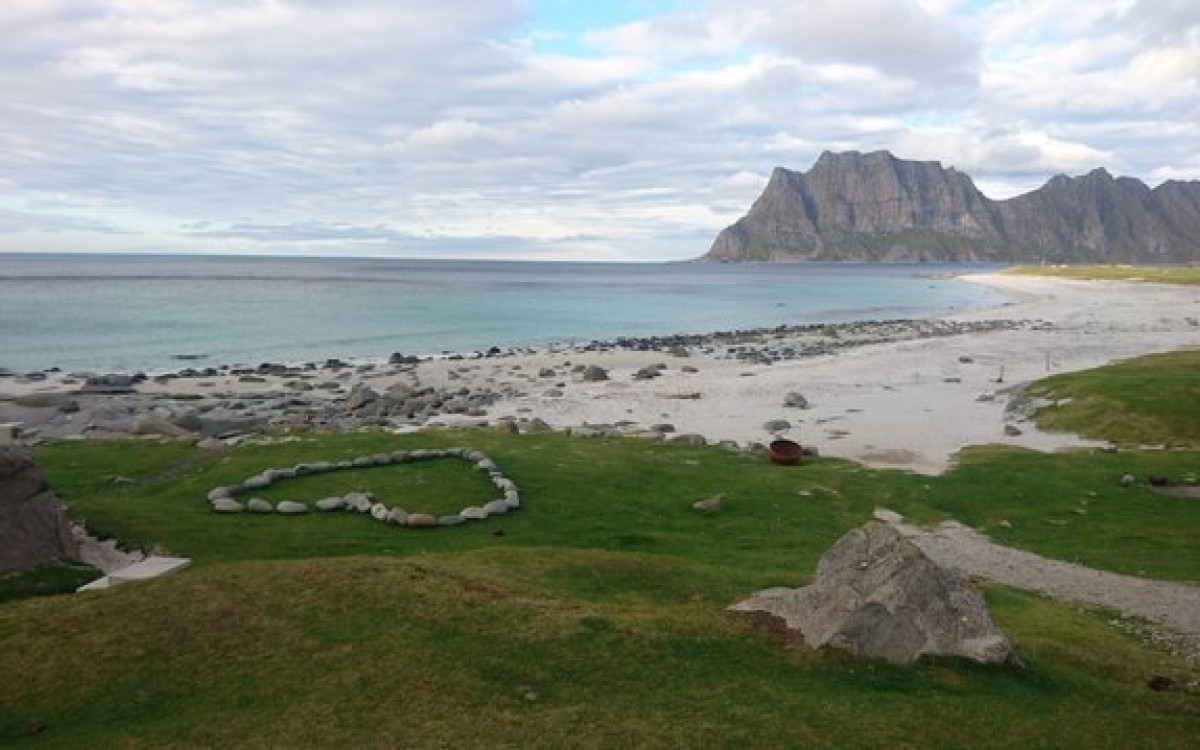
[151, 567]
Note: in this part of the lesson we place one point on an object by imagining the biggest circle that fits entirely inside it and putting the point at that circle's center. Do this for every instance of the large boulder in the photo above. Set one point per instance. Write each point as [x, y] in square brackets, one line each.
[878, 595]
[33, 528]
[219, 422]
[594, 374]
[360, 395]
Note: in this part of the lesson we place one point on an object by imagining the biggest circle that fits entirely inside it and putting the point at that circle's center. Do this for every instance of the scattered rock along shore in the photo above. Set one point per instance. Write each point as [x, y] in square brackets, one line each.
[222, 404]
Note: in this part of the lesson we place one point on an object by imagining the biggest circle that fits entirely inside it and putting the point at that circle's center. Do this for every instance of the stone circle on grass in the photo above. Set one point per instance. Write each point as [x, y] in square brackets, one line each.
[225, 499]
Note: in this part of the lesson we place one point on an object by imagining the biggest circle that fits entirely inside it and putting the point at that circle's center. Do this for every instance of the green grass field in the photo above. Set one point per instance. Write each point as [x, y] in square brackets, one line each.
[592, 617]
[1151, 400]
[1159, 275]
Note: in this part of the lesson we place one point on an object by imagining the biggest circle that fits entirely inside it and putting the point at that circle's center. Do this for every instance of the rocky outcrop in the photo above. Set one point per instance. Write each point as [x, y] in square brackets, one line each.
[875, 207]
[33, 528]
[877, 595]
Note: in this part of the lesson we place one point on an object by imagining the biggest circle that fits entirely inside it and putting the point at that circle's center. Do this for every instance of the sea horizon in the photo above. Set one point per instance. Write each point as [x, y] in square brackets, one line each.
[123, 312]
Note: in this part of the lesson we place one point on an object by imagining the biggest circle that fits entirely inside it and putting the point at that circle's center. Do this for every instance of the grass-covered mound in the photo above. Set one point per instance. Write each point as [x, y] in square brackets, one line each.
[591, 617]
[529, 647]
[1153, 400]
[1160, 275]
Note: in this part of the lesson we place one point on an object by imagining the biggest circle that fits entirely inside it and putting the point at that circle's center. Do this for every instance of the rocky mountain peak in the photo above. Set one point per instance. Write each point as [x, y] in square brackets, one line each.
[874, 206]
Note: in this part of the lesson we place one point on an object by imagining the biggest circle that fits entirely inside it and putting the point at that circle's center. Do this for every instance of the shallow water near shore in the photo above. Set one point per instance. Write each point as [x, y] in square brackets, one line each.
[126, 312]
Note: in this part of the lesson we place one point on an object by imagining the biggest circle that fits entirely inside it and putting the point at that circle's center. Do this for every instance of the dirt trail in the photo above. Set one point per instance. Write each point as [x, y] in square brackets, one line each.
[968, 552]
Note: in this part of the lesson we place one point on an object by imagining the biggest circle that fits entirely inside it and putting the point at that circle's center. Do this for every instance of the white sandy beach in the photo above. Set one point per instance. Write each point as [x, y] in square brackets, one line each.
[909, 404]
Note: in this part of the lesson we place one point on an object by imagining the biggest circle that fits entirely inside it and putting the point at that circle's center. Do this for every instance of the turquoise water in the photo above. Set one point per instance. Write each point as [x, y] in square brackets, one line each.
[130, 313]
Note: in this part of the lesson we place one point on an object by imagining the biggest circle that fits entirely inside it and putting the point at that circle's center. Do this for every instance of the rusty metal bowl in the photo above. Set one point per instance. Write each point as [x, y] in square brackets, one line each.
[785, 452]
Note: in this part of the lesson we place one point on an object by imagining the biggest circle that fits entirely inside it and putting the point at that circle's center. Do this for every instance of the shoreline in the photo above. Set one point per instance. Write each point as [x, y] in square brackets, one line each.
[895, 394]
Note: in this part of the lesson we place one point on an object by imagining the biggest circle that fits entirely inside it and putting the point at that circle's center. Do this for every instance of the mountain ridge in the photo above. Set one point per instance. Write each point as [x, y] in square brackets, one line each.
[854, 206]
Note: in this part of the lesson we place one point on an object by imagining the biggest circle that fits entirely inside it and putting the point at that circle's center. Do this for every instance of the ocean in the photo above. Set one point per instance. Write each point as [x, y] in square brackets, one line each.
[157, 313]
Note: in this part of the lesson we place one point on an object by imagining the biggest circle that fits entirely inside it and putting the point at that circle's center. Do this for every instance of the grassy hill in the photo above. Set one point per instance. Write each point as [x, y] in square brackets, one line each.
[592, 617]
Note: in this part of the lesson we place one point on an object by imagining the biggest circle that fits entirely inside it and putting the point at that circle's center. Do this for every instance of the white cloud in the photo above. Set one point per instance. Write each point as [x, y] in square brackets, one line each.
[388, 125]
[896, 37]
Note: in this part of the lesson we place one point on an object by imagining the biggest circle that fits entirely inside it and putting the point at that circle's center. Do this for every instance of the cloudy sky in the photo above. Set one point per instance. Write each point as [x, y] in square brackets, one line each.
[548, 129]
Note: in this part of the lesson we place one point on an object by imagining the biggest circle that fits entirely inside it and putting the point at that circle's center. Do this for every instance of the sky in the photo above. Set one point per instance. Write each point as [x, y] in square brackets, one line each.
[549, 129]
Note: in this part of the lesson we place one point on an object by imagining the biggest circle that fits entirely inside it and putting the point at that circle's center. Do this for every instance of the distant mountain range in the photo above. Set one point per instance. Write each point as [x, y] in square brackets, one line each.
[874, 207]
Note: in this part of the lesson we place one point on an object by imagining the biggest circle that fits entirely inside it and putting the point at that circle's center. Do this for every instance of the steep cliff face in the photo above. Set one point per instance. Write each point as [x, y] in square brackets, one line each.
[875, 207]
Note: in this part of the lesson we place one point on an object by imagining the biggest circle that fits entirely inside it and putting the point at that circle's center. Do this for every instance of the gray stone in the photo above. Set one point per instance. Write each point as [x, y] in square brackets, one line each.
[507, 425]
[795, 401]
[709, 504]
[219, 423]
[1012, 430]
[111, 384]
[537, 424]
[397, 516]
[219, 492]
[512, 499]
[257, 482]
[496, 508]
[329, 504]
[473, 513]
[10, 433]
[111, 417]
[1128, 480]
[876, 594]
[227, 505]
[777, 425]
[360, 395]
[421, 520]
[594, 374]
[291, 508]
[258, 505]
[451, 521]
[358, 501]
[45, 400]
[379, 512]
[33, 527]
[687, 439]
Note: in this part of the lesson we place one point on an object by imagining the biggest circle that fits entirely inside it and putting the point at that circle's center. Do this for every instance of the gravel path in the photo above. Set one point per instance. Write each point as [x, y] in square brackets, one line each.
[967, 552]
